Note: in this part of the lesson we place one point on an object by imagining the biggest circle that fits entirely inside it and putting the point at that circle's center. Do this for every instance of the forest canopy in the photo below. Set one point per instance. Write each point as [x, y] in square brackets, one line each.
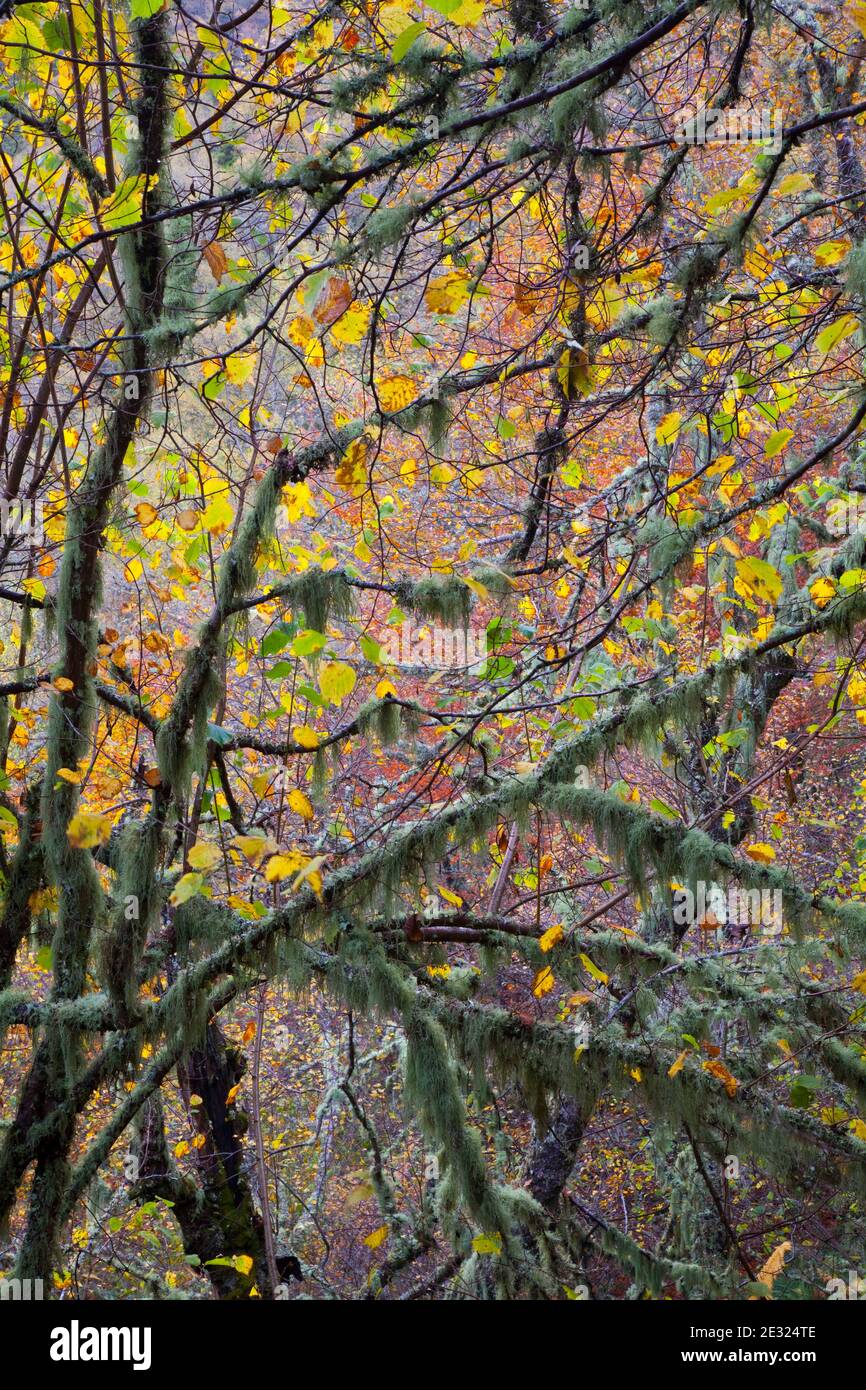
[432, 671]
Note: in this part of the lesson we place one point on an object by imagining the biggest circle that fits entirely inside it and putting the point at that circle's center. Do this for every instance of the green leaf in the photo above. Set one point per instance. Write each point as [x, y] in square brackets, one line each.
[405, 40]
[275, 641]
[663, 808]
[123, 208]
[218, 735]
[835, 332]
[802, 1093]
[214, 387]
[371, 649]
[308, 642]
[777, 442]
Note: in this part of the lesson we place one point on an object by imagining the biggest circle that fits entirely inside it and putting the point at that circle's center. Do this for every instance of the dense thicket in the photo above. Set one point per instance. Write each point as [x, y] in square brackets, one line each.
[432, 324]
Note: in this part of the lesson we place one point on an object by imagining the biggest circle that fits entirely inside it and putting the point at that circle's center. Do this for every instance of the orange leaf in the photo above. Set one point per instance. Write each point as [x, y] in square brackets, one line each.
[721, 1073]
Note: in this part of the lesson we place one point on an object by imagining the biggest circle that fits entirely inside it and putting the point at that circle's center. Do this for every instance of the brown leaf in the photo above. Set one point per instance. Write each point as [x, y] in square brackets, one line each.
[216, 259]
[334, 302]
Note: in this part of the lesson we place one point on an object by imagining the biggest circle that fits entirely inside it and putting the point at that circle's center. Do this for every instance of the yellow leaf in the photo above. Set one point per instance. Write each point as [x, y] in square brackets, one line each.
[146, 514]
[794, 183]
[86, 830]
[240, 367]
[353, 324]
[336, 681]
[453, 898]
[280, 866]
[385, 688]
[859, 982]
[301, 330]
[822, 591]
[593, 969]
[63, 683]
[68, 775]
[467, 12]
[446, 294]
[758, 577]
[204, 856]
[305, 737]
[668, 428]
[543, 982]
[300, 803]
[351, 471]
[488, 1245]
[676, 1067]
[857, 15]
[761, 852]
[396, 392]
[832, 252]
[218, 516]
[243, 1263]
[249, 1032]
[181, 1149]
[298, 501]
[573, 372]
[772, 1268]
[549, 938]
[254, 847]
[186, 888]
[377, 1237]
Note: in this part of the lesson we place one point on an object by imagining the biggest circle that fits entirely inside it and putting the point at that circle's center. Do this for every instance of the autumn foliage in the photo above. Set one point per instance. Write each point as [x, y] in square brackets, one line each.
[433, 553]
